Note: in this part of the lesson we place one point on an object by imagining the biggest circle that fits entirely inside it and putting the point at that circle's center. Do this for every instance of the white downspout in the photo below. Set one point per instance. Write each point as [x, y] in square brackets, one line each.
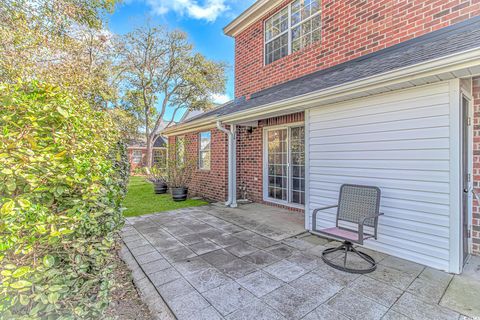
[232, 168]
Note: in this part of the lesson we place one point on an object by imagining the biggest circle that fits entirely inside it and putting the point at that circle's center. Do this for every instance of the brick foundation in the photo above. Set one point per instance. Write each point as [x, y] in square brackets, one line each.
[349, 29]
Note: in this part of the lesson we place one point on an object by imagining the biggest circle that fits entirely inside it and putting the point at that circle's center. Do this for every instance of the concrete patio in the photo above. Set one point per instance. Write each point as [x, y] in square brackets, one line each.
[257, 262]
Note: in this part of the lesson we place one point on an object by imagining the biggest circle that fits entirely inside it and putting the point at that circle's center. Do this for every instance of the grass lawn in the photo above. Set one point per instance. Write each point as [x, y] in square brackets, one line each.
[141, 200]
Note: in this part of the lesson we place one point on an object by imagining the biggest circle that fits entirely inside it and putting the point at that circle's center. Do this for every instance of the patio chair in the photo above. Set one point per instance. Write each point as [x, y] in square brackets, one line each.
[358, 207]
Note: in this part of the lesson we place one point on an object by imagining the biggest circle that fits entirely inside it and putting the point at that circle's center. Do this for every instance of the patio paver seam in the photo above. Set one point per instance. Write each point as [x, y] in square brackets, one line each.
[183, 277]
[173, 266]
[164, 234]
[445, 290]
[148, 277]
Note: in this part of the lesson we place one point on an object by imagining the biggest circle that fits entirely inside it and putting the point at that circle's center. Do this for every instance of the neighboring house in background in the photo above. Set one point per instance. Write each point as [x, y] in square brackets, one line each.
[137, 153]
[361, 92]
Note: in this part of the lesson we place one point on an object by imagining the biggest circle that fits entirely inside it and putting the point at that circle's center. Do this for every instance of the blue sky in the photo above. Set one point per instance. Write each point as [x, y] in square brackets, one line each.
[203, 20]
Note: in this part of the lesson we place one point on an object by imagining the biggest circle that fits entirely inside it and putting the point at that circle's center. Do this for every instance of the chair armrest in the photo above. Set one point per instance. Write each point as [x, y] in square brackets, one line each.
[314, 216]
[370, 217]
[360, 225]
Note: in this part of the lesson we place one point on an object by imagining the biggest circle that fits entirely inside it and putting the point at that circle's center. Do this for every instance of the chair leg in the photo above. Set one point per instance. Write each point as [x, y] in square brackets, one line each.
[347, 247]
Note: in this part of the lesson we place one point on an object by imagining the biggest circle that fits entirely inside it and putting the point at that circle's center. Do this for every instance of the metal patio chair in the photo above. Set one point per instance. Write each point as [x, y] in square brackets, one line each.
[358, 207]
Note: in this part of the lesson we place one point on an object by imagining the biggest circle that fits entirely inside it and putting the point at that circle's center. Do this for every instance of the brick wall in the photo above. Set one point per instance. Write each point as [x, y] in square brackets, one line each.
[349, 29]
[213, 184]
[250, 156]
[210, 184]
[476, 165]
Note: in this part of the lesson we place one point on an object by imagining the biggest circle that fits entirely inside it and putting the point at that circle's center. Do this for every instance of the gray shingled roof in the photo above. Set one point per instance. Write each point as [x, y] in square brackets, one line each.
[453, 39]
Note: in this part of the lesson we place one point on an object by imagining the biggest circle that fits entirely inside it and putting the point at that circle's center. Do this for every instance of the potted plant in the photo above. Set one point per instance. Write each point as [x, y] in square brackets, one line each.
[177, 177]
[156, 175]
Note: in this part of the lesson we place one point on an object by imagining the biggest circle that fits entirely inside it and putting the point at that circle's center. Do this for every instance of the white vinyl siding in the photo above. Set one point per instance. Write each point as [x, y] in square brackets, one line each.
[400, 142]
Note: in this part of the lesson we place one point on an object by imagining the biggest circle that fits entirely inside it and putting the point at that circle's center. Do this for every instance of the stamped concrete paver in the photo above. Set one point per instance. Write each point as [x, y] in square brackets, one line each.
[291, 302]
[256, 311]
[207, 279]
[285, 270]
[411, 306]
[463, 292]
[357, 306]
[241, 249]
[216, 263]
[325, 313]
[261, 258]
[260, 283]
[229, 298]
[188, 305]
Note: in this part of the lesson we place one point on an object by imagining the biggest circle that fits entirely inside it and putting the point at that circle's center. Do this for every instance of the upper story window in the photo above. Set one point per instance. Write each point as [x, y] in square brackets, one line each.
[294, 27]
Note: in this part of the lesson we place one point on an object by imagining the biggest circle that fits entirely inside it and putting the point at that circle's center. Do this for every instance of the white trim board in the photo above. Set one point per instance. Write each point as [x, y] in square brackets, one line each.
[463, 64]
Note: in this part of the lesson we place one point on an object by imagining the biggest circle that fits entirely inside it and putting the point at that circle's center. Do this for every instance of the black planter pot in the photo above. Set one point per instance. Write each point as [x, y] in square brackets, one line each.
[179, 194]
[160, 187]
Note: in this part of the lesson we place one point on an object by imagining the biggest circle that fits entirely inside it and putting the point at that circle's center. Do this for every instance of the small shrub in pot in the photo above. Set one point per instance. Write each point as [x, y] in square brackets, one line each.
[177, 177]
[156, 175]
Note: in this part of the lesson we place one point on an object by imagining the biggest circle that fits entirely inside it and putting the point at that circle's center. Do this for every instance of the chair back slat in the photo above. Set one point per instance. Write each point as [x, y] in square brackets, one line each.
[357, 202]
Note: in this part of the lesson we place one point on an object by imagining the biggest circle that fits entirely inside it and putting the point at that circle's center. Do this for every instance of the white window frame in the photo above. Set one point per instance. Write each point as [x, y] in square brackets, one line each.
[165, 154]
[180, 160]
[266, 198]
[204, 151]
[134, 158]
[289, 31]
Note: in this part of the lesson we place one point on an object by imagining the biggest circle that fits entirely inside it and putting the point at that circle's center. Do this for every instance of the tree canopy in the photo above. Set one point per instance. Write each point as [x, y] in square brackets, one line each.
[161, 70]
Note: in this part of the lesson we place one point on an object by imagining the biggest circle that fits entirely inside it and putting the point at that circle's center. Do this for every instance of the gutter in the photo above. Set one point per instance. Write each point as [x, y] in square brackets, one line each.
[439, 66]
[232, 164]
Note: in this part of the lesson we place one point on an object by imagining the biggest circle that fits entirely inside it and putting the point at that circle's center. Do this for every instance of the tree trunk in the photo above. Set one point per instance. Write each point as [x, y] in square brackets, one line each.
[149, 150]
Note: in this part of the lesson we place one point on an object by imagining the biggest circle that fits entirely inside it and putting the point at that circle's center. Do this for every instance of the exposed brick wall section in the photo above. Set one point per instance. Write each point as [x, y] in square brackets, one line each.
[211, 184]
[476, 165]
[135, 166]
[250, 157]
[350, 29]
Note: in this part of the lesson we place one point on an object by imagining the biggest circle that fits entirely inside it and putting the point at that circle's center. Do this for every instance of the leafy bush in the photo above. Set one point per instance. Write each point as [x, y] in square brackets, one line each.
[179, 173]
[63, 176]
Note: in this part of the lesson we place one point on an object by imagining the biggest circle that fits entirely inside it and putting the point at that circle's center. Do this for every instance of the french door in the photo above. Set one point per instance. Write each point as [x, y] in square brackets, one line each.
[285, 165]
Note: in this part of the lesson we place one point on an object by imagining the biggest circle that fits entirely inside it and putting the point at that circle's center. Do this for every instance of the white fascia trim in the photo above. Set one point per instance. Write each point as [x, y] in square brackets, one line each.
[249, 16]
[450, 63]
[206, 123]
[458, 61]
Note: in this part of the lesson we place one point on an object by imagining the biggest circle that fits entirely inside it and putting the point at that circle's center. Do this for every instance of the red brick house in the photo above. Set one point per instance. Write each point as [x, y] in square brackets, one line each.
[137, 154]
[383, 93]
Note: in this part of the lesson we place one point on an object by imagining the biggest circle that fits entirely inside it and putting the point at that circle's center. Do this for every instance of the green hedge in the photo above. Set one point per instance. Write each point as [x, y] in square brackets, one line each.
[63, 176]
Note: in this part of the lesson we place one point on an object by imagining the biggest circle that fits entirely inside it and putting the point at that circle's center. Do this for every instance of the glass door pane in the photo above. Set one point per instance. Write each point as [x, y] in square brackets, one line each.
[278, 164]
[297, 155]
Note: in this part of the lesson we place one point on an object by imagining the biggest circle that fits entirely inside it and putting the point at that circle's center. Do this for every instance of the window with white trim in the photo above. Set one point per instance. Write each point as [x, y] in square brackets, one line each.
[180, 150]
[137, 156]
[159, 157]
[294, 27]
[284, 168]
[204, 153]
